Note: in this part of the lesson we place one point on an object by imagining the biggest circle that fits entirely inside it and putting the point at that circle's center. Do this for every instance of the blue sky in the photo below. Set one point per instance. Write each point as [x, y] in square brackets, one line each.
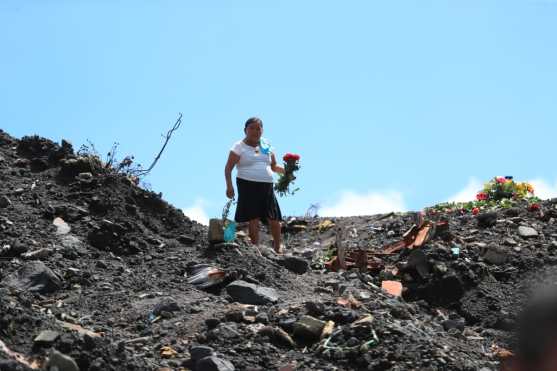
[391, 105]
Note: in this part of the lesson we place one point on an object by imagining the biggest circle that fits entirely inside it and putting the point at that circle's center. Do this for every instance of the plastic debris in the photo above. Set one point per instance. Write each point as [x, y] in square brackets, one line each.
[204, 275]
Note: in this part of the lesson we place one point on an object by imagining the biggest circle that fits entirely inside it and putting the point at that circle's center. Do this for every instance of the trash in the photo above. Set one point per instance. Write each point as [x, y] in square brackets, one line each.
[455, 251]
[168, 352]
[277, 335]
[327, 329]
[222, 230]
[204, 276]
[325, 225]
[230, 231]
[62, 226]
[354, 259]
[418, 235]
[392, 287]
[349, 302]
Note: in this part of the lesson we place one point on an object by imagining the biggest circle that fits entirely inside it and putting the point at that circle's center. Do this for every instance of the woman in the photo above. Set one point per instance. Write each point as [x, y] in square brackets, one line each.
[256, 197]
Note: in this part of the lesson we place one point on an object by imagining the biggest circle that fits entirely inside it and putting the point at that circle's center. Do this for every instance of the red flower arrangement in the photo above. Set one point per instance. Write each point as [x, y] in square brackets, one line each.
[534, 207]
[482, 196]
[476, 210]
[291, 164]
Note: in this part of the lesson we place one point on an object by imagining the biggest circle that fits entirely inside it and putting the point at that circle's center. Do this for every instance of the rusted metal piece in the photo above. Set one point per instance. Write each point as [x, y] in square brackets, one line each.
[355, 259]
[418, 236]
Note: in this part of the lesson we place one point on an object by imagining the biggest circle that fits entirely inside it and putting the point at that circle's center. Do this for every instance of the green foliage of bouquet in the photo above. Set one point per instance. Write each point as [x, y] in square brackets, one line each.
[501, 192]
[291, 164]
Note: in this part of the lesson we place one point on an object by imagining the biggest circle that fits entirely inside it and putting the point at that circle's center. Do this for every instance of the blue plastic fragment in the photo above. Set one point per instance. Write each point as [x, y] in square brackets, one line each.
[230, 232]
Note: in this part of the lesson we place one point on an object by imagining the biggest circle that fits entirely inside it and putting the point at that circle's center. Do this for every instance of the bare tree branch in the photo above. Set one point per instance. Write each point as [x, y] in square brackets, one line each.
[144, 172]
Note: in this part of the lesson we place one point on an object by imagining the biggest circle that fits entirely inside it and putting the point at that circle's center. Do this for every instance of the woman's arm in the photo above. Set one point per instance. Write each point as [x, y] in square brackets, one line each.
[232, 161]
[274, 166]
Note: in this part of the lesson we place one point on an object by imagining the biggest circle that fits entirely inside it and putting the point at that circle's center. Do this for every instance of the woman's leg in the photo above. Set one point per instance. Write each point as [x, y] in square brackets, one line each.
[254, 231]
[275, 232]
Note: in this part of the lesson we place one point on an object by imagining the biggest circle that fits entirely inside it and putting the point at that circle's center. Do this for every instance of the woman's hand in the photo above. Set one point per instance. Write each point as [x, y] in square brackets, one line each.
[230, 192]
[274, 167]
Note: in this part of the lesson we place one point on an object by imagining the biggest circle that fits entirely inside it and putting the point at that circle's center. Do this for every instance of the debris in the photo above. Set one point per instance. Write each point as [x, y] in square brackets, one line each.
[168, 352]
[325, 225]
[277, 335]
[62, 226]
[392, 287]
[216, 231]
[417, 236]
[204, 276]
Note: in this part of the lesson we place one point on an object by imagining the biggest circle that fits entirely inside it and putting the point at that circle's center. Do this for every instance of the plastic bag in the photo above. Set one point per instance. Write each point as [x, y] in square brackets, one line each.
[230, 232]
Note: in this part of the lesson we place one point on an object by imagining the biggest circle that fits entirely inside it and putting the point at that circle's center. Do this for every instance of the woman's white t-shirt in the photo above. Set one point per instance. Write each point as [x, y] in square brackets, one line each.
[253, 165]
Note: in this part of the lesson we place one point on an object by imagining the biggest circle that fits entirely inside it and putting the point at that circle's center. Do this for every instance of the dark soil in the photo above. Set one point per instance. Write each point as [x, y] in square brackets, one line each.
[121, 273]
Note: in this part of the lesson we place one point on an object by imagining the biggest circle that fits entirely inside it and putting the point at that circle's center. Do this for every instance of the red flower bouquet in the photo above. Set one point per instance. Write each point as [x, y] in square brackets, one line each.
[291, 164]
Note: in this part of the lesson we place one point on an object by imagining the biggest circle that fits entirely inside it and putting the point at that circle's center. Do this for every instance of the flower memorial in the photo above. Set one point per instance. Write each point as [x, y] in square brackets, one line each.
[291, 164]
[498, 192]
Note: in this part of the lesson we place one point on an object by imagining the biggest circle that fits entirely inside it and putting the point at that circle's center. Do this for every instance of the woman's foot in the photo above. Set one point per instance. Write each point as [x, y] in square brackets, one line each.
[279, 250]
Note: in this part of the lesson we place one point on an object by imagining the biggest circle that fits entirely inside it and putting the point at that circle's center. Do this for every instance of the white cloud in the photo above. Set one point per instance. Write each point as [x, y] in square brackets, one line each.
[197, 212]
[351, 204]
[469, 192]
[544, 189]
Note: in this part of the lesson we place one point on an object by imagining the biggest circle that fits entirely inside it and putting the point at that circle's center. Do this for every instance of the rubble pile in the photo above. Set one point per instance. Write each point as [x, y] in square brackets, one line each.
[99, 274]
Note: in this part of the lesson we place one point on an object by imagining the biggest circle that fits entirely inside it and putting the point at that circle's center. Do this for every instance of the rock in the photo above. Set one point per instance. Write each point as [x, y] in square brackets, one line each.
[46, 338]
[60, 362]
[486, 220]
[294, 264]
[527, 232]
[418, 261]
[37, 254]
[309, 328]
[85, 177]
[510, 242]
[495, 255]
[453, 324]
[167, 304]
[75, 166]
[277, 336]
[248, 293]
[4, 202]
[35, 276]
[198, 352]
[186, 240]
[214, 363]
[513, 212]
[62, 226]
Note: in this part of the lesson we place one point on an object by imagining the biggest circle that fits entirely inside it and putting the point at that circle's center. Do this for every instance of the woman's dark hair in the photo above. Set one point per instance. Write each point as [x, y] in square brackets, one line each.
[253, 120]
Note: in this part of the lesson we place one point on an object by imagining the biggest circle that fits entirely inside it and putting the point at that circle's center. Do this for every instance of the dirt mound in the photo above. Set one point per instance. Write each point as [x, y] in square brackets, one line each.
[115, 278]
